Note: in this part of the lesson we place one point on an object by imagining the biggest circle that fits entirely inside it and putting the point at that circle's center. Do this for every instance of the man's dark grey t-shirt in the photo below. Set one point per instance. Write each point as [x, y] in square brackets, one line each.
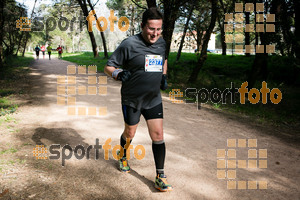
[143, 88]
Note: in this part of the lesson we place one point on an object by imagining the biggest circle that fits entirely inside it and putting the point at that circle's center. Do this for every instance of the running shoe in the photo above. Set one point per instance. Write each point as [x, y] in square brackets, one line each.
[161, 183]
[123, 164]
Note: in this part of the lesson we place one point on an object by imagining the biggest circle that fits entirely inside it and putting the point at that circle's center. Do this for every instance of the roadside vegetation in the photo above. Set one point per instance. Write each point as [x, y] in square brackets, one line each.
[12, 77]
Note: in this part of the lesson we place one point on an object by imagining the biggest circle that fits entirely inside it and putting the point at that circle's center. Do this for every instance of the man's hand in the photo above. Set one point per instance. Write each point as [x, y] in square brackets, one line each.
[121, 75]
[124, 75]
[163, 83]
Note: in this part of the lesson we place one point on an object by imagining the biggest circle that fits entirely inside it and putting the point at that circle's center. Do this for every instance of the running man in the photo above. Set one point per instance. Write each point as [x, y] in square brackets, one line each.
[143, 73]
[37, 51]
[43, 48]
[49, 48]
[60, 50]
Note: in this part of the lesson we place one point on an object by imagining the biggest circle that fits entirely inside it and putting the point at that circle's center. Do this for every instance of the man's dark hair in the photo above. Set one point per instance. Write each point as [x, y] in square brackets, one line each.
[151, 13]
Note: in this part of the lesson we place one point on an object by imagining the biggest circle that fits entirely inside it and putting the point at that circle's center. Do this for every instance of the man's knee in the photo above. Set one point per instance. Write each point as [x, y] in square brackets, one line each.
[129, 132]
[157, 135]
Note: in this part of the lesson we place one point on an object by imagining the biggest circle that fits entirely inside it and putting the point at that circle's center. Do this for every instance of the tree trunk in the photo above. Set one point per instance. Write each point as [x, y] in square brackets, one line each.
[170, 16]
[184, 33]
[297, 30]
[104, 45]
[247, 34]
[199, 38]
[257, 68]
[285, 26]
[260, 65]
[151, 3]
[20, 39]
[203, 55]
[25, 43]
[2, 5]
[19, 43]
[79, 40]
[101, 33]
[27, 33]
[221, 25]
[223, 43]
[83, 6]
[132, 21]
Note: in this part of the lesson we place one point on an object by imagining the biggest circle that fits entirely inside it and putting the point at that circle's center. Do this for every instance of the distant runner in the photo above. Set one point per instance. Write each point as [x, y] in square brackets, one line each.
[49, 48]
[60, 50]
[43, 48]
[37, 51]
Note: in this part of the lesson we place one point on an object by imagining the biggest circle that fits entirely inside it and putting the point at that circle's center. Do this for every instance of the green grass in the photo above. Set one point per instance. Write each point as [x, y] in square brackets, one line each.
[10, 150]
[4, 103]
[14, 66]
[6, 164]
[6, 106]
[14, 71]
[218, 72]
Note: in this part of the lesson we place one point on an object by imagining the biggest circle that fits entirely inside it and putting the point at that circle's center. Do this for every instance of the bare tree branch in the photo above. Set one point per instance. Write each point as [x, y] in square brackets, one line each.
[192, 33]
[138, 5]
[95, 3]
[222, 5]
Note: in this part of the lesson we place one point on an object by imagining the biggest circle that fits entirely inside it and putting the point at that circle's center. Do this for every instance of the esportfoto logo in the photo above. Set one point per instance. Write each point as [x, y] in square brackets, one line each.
[217, 96]
[235, 27]
[73, 86]
[79, 151]
[228, 164]
[63, 23]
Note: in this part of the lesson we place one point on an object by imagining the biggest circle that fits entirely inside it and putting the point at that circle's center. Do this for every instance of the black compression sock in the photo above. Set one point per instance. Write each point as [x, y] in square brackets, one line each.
[159, 153]
[123, 143]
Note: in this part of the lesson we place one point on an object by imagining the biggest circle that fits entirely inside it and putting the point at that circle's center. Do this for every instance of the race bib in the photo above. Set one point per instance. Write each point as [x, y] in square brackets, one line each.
[153, 63]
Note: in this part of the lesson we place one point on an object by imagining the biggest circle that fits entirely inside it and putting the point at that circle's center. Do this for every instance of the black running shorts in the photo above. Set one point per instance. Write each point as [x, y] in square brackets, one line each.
[132, 115]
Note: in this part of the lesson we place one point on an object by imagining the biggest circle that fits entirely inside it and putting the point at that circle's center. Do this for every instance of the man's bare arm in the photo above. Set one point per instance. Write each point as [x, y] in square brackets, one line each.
[117, 73]
[165, 67]
[109, 70]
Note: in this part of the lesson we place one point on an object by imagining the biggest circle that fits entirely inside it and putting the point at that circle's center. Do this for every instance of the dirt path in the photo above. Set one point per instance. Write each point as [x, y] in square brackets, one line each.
[192, 138]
